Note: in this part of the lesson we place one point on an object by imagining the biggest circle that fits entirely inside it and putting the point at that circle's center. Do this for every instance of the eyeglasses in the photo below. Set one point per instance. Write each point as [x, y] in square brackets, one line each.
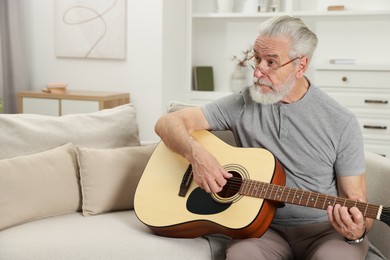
[271, 65]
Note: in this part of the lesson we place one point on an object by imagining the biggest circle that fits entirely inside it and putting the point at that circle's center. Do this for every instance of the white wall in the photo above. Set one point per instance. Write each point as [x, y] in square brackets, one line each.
[140, 73]
[174, 50]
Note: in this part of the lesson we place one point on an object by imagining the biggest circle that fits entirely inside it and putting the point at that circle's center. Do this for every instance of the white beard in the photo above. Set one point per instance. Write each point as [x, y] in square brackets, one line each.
[274, 96]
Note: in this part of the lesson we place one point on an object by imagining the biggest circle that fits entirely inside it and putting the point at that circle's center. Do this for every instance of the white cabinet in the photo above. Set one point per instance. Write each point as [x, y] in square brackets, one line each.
[72, 102]
[366, 92]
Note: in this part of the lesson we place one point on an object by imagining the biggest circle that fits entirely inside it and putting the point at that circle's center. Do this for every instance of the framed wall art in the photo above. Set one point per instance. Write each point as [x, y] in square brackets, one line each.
[90, 29]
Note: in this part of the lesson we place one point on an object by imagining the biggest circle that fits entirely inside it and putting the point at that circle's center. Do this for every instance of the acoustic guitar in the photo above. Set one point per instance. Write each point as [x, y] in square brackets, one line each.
[171, 204]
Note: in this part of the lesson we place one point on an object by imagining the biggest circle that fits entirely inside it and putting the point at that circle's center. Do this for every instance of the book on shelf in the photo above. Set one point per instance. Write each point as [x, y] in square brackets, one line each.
[203, 78]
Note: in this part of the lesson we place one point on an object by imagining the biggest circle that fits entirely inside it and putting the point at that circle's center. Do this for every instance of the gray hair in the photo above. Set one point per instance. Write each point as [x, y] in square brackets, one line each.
[303, 40]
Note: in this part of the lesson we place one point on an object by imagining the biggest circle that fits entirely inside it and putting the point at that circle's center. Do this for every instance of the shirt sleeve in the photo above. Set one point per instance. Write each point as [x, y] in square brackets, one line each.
[350, 159]
[222, 113]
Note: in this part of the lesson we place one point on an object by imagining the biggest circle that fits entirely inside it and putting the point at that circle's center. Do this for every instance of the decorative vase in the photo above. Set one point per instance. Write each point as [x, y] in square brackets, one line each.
[239, 78]
[275, 6]
[225, 6]
[263, 6]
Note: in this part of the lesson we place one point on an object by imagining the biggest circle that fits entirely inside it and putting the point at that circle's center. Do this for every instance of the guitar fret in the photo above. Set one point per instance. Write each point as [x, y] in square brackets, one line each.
[262, 190]
[258, 189]
[281, 195]
[246, 188]
[300, 199]
[288, 194]
[340, 201]
[255, 189]
[294, 196]
[315, 203]
[365, 210]
[312, 200]
[265, 193]
[308, 198]
[250, 188]
[261, 187]
[326, 197]
[276, 197]
[276, 192]
[270, 195]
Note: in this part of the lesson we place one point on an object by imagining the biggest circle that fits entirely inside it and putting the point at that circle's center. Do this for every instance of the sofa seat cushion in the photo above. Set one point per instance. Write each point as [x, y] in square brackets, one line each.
[378, 179]
[117, 235]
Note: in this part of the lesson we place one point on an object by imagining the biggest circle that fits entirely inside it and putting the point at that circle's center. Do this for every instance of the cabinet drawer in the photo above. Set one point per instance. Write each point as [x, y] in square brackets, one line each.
[69, 106]
[350, 78]
[365, 100]
[381, 149]
[375, 127]
[42, 106]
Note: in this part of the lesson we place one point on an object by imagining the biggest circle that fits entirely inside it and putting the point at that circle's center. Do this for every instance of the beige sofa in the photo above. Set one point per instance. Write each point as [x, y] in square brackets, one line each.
[67, 186]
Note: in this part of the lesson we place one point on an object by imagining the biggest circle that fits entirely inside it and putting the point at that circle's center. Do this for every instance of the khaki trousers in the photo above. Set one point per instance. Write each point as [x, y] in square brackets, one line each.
[314, 241]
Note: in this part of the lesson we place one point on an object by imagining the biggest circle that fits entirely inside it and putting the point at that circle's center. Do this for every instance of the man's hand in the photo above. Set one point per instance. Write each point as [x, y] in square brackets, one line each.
[208, 172]
[349, 223]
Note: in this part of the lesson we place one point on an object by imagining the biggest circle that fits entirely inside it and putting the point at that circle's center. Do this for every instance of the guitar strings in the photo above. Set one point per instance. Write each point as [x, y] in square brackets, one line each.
[235, 184]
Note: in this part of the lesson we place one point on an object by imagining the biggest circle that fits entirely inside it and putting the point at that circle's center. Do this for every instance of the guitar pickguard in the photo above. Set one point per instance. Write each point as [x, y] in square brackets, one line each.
[200, 202]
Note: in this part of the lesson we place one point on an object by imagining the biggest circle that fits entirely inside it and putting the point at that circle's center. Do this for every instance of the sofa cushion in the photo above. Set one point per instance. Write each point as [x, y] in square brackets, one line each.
[378, 179]
[39, 185]
[23, 134]
[109, 177]
[117, 235]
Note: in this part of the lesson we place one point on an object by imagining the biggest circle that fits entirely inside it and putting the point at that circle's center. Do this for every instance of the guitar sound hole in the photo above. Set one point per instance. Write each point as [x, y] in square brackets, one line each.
[232, 186]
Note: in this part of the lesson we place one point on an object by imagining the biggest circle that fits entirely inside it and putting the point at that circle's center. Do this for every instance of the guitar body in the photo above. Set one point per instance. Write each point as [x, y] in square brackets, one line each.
[194, 212]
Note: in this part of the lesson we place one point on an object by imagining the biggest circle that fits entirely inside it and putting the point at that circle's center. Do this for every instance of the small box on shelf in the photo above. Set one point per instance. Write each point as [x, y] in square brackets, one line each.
[336, 7]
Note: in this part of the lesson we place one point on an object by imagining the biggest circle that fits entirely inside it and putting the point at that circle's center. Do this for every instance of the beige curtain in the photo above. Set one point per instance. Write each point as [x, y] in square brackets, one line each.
[13, 56]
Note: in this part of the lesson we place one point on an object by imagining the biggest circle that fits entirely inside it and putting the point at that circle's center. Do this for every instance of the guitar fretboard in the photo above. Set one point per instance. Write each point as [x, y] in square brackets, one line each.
[304, 198]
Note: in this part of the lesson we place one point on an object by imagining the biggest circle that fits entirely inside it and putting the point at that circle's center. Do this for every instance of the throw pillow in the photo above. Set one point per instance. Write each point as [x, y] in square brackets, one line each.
[39, 185]
[109, 177]
[24, 134]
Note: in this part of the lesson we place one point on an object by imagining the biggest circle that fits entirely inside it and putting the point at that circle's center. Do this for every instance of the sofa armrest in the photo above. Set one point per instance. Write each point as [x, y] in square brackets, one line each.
[378, 180]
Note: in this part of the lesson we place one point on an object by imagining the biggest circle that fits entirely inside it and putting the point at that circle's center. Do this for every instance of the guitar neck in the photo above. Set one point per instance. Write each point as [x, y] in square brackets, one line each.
[304, 198]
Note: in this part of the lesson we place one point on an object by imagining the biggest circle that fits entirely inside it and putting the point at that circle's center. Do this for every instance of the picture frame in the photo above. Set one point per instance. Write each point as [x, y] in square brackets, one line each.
[90, 29]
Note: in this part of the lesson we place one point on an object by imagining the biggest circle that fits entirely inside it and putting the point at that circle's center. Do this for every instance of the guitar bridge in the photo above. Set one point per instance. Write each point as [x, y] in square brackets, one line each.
[186, 181]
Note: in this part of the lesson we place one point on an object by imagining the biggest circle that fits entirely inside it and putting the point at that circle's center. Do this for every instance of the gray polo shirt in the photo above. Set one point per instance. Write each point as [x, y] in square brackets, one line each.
[315, 139]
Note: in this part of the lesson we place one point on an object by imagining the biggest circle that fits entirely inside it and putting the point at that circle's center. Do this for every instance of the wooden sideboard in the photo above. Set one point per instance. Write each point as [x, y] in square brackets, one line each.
[71, 102]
